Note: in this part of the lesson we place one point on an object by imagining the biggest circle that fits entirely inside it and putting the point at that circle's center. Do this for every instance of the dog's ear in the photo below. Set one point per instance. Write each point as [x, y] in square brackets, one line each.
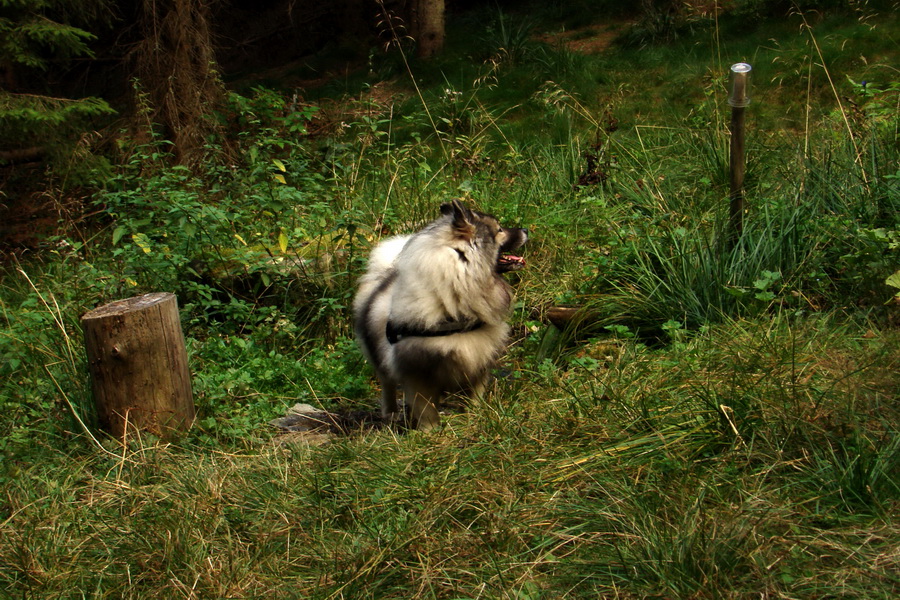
[454, 207]
[462, 218]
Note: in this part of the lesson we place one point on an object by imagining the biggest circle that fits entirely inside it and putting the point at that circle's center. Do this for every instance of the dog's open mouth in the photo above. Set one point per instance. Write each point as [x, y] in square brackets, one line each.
[509, 262]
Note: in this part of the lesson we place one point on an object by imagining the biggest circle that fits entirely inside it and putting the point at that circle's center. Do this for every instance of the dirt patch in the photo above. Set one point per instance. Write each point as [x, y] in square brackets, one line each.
[375, 103]
[587, 40]
[28, 219]
[305, 424]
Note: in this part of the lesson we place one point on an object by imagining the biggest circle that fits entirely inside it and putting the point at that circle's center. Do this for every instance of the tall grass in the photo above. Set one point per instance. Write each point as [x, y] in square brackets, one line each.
[811, 222]
[43, 384]
[714, 469]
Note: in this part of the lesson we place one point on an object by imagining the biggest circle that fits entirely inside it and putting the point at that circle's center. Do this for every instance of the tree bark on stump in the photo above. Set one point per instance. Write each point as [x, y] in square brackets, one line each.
[138, 365]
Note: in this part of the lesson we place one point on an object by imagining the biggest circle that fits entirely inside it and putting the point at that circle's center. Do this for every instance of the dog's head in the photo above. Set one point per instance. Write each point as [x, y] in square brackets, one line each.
[484, 233]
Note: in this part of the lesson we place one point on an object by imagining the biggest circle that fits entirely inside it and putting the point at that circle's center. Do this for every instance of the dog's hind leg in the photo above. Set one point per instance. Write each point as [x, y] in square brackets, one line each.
[422, 404]
[479, 387]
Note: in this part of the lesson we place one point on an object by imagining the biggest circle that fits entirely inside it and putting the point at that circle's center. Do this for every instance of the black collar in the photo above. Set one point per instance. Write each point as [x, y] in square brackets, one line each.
[396, 333]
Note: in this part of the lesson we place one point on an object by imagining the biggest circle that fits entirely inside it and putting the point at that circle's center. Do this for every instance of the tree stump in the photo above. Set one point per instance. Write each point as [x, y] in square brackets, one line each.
[138, 365]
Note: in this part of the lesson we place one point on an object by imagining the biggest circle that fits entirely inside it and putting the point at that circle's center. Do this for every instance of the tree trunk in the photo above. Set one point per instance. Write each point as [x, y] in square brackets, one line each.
[176, 70]
[428, 27]
[138, 365]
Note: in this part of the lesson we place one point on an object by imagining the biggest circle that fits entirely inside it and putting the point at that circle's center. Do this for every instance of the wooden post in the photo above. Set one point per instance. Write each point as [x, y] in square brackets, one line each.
[738, 101]
[138, 365]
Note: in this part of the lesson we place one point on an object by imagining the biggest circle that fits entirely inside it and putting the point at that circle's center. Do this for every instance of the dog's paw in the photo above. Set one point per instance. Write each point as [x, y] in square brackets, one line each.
[393, 418]
[426, 426]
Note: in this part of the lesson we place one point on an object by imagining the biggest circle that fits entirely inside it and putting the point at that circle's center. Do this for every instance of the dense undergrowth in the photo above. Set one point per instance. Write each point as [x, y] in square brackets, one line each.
[722, 422]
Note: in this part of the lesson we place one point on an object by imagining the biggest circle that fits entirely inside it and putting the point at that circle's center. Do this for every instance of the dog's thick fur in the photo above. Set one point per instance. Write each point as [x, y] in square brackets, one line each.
[430, 313]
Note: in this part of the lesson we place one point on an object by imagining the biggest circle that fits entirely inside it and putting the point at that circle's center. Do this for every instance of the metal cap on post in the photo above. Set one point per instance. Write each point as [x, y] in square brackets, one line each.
[740, 85]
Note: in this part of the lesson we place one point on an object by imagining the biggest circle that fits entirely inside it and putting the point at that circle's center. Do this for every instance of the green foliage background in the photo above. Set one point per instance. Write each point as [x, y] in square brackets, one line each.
[37, 37]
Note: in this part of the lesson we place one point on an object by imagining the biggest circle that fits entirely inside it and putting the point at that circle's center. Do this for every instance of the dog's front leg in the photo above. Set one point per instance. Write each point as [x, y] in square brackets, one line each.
[390, 412]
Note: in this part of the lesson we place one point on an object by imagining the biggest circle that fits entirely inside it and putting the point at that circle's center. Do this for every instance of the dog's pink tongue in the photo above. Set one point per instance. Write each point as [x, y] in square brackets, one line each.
[510, 262]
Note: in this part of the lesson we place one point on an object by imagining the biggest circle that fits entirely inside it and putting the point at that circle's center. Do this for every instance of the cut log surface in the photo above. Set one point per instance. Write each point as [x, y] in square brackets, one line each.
[138, 365]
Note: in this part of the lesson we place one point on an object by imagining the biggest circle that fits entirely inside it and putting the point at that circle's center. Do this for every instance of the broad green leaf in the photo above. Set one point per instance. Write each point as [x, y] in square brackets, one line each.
[142, 242]
[893, 280]
[282, 242]
[279, 165]
[735, 291]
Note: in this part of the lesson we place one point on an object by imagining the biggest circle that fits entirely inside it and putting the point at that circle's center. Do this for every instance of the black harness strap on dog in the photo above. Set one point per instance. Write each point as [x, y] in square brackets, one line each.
[395, 333]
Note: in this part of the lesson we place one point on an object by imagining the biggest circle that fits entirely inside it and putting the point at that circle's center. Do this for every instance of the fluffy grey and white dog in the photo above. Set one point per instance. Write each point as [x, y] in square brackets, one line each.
[430, 313]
